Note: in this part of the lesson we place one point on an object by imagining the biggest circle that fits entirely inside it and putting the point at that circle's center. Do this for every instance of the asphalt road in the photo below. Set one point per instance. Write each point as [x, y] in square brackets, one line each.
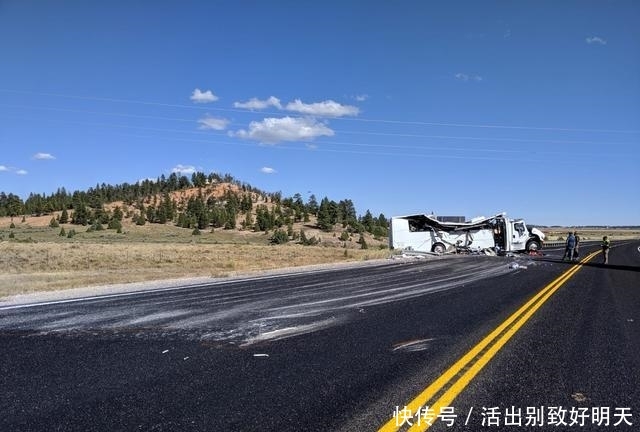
[334, 350]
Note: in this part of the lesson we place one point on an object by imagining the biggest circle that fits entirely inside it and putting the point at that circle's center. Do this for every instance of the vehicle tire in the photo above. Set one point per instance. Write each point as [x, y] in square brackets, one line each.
[533, 245]
[438, 248]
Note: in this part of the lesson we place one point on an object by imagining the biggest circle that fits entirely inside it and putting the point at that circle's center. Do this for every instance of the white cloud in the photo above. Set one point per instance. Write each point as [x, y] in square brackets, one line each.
[203, 97]
[43, 156]
[214, 123]
[327, 108]
[595, 40]
[268, 170]
[183, 169]
[464, 77]
[362, 97]
[257, 104]
[275, 130]
[4, 168]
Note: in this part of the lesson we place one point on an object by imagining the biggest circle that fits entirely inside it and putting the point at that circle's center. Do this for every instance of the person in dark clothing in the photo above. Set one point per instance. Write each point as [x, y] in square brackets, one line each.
[569, 247]
[606, 245]
[576, 251]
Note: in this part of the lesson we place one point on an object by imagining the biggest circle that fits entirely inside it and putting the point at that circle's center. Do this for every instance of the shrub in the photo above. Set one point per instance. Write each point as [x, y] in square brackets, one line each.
[363, 242]
[279, 237]
[12, 225]
[62, 232]
[344, 236]
[115, 224]
[308, 241]
[140, 220]
[12, 235]
[53, 223]
[196, 231]
[71, 233]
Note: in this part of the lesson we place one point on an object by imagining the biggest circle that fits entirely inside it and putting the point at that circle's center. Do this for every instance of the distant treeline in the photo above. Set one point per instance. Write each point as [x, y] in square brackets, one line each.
[154, 201]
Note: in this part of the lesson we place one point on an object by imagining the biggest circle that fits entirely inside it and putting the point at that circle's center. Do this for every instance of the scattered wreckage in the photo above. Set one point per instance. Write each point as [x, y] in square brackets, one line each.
[497, 234]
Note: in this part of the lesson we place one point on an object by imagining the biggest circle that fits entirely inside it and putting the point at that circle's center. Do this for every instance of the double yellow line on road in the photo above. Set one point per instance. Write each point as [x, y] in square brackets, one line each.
[465, 369]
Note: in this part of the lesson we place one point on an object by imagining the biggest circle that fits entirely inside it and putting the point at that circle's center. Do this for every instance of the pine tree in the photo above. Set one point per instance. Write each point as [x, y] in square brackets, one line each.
[80, 214]
[367, 221]
[363, 242]
[248, 221]
[324, 215]
[117, 214]
[64, 216]
[312, 205]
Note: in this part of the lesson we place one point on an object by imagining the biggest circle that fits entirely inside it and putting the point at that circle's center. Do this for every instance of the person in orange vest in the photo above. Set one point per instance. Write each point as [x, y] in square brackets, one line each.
[606, 245]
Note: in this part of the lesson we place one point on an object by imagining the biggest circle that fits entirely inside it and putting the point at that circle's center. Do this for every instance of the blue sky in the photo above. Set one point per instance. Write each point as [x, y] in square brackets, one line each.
[460, 108]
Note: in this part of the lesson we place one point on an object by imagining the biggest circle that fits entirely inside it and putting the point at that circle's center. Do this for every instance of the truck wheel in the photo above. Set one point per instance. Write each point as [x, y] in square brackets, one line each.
[533, 245]
[438, 248]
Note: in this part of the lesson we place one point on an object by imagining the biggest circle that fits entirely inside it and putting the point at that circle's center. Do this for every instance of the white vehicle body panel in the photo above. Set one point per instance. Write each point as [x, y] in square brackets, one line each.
[424, 233]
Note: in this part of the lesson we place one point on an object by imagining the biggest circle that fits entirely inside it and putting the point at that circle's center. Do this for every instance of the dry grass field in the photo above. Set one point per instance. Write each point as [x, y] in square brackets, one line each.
[38, 259]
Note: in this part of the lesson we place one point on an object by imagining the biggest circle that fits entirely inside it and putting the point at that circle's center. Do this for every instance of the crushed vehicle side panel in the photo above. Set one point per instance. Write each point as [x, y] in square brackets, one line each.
[424, 232]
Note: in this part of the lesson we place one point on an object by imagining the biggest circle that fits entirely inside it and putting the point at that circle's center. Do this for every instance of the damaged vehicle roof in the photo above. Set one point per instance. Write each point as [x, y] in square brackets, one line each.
[431, 221]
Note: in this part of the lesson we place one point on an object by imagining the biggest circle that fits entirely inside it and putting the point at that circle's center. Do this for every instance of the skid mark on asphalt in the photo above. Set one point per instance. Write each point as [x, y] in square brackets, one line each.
[413, 345]
[256, 311]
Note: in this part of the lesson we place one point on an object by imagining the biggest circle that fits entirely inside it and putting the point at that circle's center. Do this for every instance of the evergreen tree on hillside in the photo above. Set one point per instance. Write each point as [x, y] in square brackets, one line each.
[81, 215]
[367, 221]
[324, 215]
[312, 205]
[183, 183]
[199, 179]
[151, 214]
[218, 216]
[13, 205]
[231, 219]
[247, 223]
[64, 216]
[264, 220]
[101, 216]
[347, 213]
[246, 204]
[117, 214]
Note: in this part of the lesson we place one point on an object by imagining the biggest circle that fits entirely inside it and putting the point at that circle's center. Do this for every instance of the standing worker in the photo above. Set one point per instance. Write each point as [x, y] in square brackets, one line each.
[606, 245]
[570, 246]
[576, 252]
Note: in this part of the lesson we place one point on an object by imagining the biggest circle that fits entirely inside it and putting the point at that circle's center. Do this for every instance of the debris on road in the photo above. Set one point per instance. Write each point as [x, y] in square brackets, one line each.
[165, 351]
[261, 355]
[579, 397]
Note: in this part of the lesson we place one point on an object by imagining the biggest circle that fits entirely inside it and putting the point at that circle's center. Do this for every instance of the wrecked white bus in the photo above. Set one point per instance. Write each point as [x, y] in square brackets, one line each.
[425, 233]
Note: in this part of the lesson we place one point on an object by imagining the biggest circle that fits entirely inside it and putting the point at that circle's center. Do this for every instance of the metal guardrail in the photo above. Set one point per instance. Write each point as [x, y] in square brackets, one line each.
[558, 243]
